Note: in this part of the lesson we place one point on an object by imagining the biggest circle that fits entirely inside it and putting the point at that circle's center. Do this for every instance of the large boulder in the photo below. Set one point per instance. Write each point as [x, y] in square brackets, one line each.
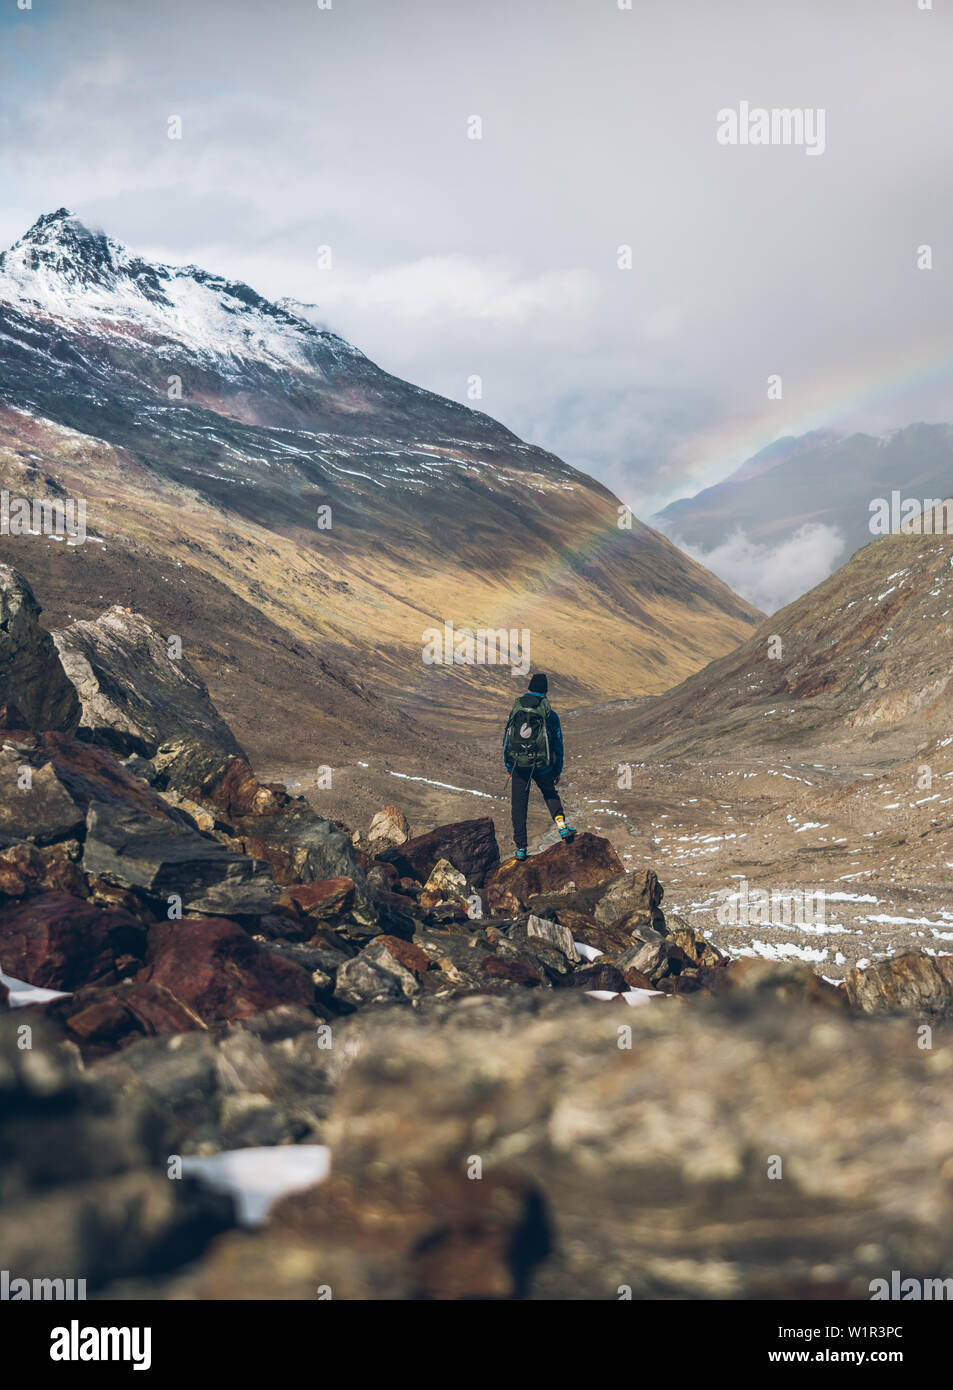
[60, 942]
[909, 983]
[469, 845]
[220, 972]
[136, 850]
[134, 695]
[586, 862]
[34, 689]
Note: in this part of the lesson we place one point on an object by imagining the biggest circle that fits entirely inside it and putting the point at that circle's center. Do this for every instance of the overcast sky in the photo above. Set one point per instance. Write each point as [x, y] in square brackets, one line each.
[454, 257]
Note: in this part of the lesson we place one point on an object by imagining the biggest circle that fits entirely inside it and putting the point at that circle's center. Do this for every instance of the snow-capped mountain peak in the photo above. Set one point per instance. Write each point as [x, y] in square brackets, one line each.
[63, 269]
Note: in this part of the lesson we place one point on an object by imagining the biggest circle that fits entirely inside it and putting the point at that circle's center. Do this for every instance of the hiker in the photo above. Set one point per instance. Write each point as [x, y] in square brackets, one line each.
[533, 752]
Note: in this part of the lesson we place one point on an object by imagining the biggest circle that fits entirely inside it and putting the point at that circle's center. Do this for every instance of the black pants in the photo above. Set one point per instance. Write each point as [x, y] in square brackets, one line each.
[520, 793]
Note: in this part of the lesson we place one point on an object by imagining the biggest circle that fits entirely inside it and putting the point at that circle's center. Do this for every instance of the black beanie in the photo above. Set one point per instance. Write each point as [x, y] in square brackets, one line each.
[539, 684]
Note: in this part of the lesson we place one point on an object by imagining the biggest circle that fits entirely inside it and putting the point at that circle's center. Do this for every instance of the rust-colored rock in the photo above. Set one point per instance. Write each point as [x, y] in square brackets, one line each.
[411, 957]
[564, 868]
[599, 974]
[60, 942]
[514, 971]
[219, 972]
[235, 791]
[603, 937]
[20, 867]
[123, 1013]
[90, 774]
[61, 875]
[323, 899]
[634, 979]
[427, 1233]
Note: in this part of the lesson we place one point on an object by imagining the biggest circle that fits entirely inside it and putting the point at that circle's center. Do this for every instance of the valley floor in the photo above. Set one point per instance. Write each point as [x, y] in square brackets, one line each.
[843, 863]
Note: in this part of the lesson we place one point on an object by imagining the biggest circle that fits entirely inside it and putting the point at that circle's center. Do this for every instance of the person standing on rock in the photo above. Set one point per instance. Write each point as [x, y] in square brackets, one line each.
[533, 752]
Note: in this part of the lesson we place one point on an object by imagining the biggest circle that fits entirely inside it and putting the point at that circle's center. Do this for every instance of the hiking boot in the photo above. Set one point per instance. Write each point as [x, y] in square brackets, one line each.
[521, 852]
[566, 832]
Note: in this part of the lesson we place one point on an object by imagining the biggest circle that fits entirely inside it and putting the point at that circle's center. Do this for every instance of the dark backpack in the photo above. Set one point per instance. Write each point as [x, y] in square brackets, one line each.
[526, 740]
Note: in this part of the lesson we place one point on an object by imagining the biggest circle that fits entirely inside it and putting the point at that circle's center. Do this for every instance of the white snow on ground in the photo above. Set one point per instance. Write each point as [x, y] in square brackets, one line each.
[586, 952]
[431, 783]
[634, 997]
[22, 994]
[885, 920]
[782, 952]
[256, 1178]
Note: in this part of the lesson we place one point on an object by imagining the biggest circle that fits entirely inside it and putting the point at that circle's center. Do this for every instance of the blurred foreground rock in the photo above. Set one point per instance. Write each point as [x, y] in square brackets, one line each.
[738, 1149]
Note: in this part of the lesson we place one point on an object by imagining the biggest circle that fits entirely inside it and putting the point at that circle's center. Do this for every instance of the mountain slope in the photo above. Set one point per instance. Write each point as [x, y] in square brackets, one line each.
[862, 659]
[205, 427]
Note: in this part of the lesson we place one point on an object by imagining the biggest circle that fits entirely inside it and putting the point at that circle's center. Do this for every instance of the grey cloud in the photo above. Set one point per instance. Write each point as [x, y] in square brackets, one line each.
[497, 257]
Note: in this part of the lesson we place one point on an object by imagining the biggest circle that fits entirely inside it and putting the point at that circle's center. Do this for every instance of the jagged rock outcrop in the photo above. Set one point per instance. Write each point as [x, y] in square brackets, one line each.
[134, 695]
[470, 846]
[35, 692]
[135, 850]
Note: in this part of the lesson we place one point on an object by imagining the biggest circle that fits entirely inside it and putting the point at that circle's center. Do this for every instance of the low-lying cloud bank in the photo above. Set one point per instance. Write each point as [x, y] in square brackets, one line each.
[772, 575]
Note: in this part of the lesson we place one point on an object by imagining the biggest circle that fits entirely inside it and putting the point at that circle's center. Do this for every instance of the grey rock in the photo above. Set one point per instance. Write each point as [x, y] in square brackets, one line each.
[558, 936]
[649, 957]
[133, 849]
[373, 977]
[632, 893]
[911, 983]
[134, 696]
[32, 679]
[41, 813]
[264, 1081]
